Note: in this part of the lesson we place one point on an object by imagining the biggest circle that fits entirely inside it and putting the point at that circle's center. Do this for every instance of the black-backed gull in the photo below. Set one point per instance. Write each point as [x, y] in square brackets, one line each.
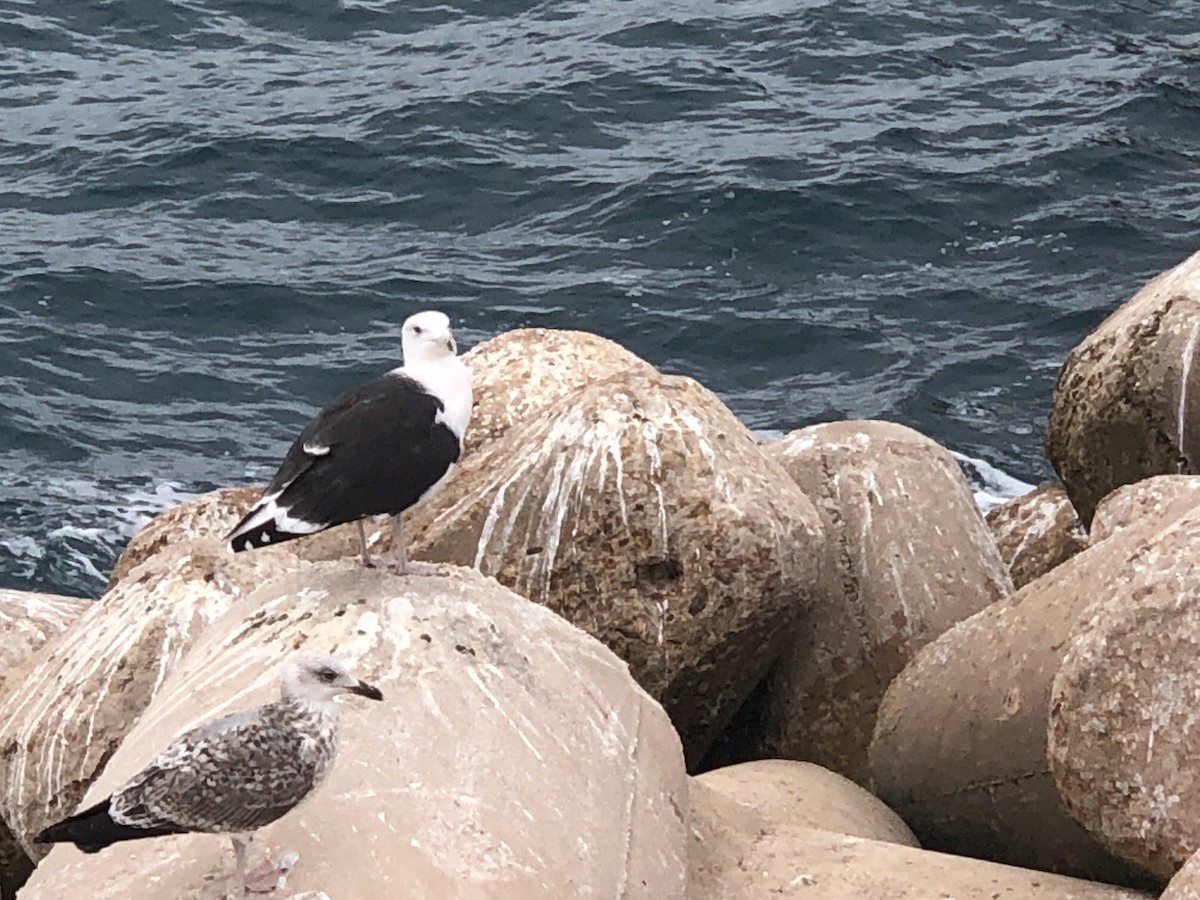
[379, 448]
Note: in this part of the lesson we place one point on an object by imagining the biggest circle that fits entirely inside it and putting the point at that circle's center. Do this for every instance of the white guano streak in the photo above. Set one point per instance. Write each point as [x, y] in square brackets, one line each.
[589, 445]
[1189, 353]
[474, 675]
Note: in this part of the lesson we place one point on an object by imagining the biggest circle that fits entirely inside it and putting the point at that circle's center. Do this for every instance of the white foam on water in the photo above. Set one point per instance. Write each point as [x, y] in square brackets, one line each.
[765, 435]
[22, 545]
[80, 560]
[26, 553]
[99, 526]
[140, 506]
[990, 485]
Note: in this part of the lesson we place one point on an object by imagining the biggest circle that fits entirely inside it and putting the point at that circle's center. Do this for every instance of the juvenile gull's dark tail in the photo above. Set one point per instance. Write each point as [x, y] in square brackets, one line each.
[94, 829]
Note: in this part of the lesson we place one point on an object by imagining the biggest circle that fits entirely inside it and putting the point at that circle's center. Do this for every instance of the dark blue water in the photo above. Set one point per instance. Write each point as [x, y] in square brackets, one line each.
[214, 215]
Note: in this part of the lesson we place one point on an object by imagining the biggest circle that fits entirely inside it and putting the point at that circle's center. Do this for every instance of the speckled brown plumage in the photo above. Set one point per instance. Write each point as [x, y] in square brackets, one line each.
[232, 775]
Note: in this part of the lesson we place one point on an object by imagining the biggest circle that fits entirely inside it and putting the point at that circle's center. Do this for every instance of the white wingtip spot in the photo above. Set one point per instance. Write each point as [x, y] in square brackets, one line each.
[312, 448]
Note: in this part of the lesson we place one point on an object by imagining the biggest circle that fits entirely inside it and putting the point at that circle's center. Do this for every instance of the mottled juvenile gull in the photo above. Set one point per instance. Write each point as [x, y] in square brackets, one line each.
[232, 775]
[379, 448]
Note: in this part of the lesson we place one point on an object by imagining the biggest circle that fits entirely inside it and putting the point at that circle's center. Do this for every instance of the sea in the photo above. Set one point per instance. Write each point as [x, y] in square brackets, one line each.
[215, 214]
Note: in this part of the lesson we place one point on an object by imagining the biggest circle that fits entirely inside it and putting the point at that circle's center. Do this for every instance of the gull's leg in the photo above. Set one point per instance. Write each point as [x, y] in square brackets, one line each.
[362, 542]
[239, 854]
[401, 564]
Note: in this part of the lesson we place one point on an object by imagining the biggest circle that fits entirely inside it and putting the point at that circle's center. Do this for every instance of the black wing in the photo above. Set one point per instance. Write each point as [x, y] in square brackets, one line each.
[376, 449]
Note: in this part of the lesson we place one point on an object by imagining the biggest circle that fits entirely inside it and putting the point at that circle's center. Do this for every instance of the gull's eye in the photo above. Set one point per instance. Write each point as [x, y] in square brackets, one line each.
[417, 329]
[327, 675]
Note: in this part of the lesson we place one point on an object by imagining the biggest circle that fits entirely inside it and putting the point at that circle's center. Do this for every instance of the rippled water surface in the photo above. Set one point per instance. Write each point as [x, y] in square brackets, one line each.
[215, 215]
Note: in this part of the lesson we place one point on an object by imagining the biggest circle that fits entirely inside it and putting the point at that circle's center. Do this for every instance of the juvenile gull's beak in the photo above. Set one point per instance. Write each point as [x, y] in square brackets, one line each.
[367, 690]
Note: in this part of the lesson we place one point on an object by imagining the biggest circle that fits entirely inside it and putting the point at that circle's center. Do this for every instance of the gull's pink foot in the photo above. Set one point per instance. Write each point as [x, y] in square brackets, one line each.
[269, 876]
[412, 567]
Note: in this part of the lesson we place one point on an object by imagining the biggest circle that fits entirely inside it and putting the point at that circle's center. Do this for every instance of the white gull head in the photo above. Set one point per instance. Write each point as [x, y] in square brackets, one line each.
[426, 337]
[316, 678]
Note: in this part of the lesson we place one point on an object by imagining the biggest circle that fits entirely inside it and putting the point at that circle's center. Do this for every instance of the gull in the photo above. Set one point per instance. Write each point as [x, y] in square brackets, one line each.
[232, 775]
[379, 448]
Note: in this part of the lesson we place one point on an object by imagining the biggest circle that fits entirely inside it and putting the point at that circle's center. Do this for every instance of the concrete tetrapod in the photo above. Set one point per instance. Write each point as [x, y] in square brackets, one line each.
[906, 556]
[960, 747]
[513, 756]
[1124, 710]
[1127, 400]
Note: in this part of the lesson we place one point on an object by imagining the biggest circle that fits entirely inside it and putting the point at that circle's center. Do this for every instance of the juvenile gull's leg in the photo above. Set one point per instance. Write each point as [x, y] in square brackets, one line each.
[401, 564]
[239, 854]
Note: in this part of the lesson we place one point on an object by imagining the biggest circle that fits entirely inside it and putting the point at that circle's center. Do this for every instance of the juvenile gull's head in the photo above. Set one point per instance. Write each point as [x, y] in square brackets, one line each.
[426, 337]
[318, 677]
